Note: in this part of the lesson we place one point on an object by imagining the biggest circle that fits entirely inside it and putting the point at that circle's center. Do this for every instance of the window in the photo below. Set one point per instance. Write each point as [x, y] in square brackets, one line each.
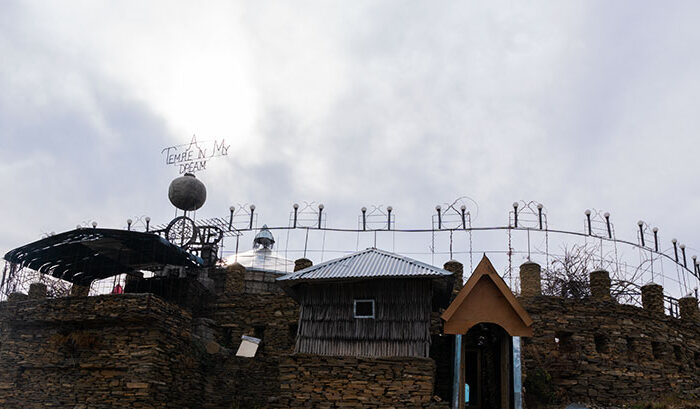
[259, 331]
[364, 309]
[601, 344]
[656, 349]
[677, 353]
[631, 346]
[564, 342]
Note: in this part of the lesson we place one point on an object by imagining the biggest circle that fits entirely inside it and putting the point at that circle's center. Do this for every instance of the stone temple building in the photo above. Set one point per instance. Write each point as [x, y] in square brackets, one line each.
[371, 329]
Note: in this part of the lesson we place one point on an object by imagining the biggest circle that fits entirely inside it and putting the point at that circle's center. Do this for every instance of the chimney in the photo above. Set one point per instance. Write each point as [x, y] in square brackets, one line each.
[530, 280]
[653, 298]
[600, 285]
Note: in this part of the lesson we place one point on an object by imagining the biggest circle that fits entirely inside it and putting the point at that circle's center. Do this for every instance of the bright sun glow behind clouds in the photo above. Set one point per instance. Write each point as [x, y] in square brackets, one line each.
[190, 64]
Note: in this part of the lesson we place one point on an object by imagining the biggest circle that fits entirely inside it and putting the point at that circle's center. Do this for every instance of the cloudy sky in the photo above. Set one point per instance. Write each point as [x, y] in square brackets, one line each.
[573, 104]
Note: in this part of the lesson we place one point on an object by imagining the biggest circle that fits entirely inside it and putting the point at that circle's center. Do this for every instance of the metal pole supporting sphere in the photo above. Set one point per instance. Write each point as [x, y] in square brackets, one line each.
[320, 211]
[675, 248]
[295, 206]
[683, 250]
[364, 218]
[588, 218]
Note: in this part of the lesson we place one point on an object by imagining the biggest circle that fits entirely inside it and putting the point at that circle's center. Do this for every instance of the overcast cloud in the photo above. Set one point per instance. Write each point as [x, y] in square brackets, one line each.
[574, 104]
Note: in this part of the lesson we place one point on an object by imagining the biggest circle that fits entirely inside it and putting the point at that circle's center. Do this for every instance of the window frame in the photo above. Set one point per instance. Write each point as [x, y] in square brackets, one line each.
[354, 309]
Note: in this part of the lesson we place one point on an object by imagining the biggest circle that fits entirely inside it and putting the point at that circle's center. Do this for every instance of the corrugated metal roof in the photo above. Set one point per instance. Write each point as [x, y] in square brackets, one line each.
[370, 263]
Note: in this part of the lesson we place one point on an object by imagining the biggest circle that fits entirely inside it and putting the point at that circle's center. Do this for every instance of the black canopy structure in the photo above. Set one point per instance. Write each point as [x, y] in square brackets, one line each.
[83, 255]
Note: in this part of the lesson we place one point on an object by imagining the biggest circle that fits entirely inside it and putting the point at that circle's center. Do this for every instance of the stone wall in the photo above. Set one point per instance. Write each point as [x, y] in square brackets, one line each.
[270, 316]
[130, 351]
[598, 351]
[261, 282]
[334, 382]
[139, 350]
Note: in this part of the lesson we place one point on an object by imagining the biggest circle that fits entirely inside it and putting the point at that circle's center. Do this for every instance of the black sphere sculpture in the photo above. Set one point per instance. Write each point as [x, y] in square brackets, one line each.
[187, 192]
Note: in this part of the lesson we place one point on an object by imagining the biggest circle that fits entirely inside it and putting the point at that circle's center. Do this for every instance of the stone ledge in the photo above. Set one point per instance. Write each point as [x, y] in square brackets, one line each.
[102, 308]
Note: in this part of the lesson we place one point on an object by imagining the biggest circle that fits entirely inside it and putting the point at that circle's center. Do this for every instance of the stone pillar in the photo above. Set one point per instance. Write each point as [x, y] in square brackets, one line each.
[530, 280]
[302, 263]
[457, 270]
[37, 290]
[600, 285]
[79, 290]
[689, 308]
[653, 298]
[234, 282]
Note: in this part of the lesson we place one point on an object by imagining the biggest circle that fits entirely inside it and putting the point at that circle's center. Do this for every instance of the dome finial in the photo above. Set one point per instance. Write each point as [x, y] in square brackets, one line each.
[264, 238]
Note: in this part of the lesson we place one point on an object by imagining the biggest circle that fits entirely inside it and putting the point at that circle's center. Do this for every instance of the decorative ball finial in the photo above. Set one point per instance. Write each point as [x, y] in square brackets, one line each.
[187, 192]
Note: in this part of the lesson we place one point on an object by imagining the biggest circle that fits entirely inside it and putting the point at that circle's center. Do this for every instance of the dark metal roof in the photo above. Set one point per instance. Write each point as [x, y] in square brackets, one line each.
[370, 263]
[83, 255]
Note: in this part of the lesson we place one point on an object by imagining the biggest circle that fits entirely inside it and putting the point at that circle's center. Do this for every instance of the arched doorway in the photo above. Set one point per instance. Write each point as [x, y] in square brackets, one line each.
[487, 320]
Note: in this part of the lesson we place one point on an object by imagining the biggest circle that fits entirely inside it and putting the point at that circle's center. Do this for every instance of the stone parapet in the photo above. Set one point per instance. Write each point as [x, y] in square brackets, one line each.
[607, 353]
[120, 308]
[78, 290]
[17, 297]
[109, 351]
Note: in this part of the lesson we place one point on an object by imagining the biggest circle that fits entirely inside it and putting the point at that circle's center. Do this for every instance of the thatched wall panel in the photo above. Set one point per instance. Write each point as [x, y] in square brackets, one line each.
[401, 326]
